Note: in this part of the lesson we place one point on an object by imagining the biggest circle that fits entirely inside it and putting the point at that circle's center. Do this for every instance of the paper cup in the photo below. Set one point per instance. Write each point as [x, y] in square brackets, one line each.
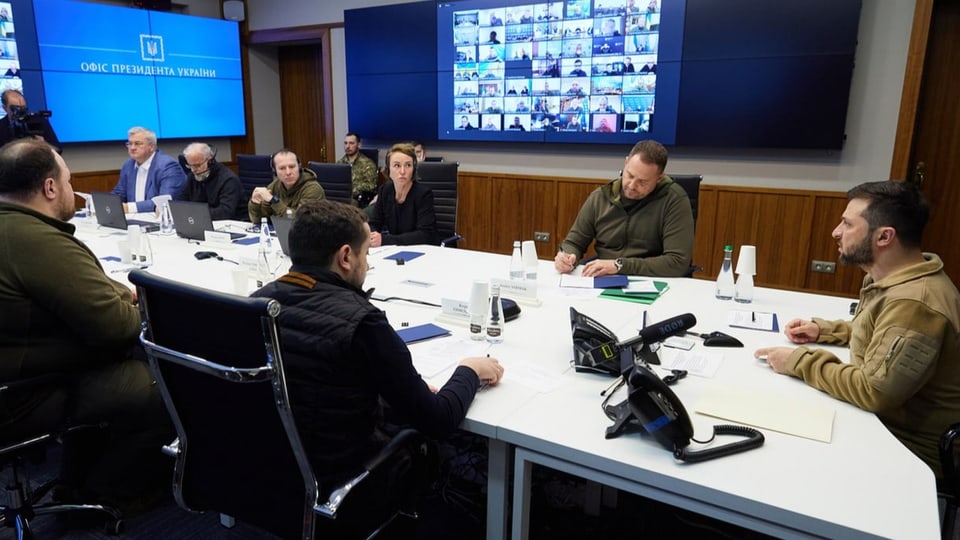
[241, 281]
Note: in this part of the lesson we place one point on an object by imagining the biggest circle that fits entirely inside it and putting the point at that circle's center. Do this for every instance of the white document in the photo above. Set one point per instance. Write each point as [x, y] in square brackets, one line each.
[576, 282]
[435, 356]
[704, 364]
[768, 410]
[641, 286]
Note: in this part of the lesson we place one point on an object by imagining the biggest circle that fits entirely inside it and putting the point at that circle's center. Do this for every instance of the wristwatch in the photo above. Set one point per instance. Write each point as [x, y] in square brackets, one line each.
[619, 263]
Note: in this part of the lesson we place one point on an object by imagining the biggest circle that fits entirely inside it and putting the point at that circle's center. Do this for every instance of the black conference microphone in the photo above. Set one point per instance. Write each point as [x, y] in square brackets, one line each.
[660, 331]
[653, 333]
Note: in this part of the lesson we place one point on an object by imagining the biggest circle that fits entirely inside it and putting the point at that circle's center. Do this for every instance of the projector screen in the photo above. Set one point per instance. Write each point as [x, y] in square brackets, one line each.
[103, 69]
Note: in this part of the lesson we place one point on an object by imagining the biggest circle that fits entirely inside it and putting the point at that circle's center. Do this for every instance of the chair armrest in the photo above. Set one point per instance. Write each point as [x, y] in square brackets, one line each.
[947, 462]
[404, 439]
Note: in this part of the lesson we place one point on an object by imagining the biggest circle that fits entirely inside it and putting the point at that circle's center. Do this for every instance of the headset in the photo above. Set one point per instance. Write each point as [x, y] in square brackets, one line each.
[211, 163]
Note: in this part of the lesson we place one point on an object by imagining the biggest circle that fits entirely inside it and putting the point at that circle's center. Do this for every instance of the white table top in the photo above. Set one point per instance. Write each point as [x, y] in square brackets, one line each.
[862, 483]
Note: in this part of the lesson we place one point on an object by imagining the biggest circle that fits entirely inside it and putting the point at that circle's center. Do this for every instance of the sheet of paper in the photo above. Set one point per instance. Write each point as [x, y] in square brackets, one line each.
[576, 282]
[533, 377]
[811, 420]
[704, 364]
[432, 358]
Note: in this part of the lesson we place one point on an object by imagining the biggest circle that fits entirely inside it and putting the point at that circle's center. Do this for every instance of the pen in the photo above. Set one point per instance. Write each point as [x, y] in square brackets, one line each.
[644, 318]
[753, 316]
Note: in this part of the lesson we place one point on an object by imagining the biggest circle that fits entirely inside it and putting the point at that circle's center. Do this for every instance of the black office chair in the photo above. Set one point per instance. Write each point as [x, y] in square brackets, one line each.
[443, 179]
[948, 487]
[21, 446]
[691, 184]
[336, 179]
[254, 170]
[373, 154]
[217, 358]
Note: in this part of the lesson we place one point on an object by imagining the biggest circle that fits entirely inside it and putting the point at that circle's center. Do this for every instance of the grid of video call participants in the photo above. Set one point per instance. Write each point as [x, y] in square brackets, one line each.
[579, 65]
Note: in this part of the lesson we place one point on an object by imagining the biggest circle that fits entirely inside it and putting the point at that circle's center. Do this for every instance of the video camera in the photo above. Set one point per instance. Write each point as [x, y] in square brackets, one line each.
[26, 123]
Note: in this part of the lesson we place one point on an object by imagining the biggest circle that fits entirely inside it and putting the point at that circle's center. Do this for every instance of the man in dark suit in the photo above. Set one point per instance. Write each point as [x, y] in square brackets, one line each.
[148, 173]
[14, 105]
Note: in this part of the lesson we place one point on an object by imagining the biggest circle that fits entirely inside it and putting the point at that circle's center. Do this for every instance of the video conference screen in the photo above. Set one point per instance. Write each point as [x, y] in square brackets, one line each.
[102, 69]
[577, 70]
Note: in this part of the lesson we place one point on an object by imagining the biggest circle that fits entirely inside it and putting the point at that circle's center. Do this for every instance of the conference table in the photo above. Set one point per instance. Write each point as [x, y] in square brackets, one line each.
[861, 484]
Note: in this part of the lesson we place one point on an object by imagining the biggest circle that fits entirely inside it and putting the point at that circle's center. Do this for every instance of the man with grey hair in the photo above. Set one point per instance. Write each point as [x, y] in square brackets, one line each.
[148, 173]
[210, 182]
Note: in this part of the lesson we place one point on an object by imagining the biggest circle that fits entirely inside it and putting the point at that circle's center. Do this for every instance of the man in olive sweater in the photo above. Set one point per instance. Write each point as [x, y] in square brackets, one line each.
[291, 186]
[642, 222]
[62, 316]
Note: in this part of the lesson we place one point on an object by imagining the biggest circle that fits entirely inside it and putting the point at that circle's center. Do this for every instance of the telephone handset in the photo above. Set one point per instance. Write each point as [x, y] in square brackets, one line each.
[654, 406]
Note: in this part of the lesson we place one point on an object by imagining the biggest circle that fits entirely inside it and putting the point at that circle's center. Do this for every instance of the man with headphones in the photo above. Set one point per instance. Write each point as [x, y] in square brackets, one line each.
[291, 186]
[210, 182]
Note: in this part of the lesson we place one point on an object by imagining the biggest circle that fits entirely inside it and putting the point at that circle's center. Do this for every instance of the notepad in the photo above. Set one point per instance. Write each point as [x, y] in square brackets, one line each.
[809, 419]
[627, 295]
[404, 256]
[601, 282]
[414, 334]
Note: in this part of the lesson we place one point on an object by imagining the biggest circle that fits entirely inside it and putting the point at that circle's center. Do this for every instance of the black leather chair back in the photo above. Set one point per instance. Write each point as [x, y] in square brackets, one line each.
[254, 170]
[691, 184]
[373, 154]
[442, 178]
[336, 179]
[217, 359]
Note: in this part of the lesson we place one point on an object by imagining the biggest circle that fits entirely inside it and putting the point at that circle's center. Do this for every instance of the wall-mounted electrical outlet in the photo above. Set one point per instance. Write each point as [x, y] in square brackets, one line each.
[541, 237]
[826, 267]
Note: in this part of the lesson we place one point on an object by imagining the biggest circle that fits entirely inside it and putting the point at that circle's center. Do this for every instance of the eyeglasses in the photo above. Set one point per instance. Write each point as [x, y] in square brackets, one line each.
[198, 166]
[135, 144]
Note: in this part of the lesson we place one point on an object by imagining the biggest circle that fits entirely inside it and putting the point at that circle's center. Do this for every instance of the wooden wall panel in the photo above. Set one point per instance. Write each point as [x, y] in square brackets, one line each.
[474, 212]
[93, 181]
[520, 208]
[570, 197]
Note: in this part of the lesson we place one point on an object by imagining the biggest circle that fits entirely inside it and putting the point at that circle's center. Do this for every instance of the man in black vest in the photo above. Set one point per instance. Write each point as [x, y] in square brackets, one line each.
[344, 361]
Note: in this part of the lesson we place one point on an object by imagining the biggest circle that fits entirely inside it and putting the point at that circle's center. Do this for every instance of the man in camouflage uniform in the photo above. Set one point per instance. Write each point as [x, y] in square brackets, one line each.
[364, 170]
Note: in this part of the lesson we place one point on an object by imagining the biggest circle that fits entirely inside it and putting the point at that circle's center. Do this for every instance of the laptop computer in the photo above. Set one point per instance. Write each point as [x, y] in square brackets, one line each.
[281, 225]
[109, 211]
[191, 219]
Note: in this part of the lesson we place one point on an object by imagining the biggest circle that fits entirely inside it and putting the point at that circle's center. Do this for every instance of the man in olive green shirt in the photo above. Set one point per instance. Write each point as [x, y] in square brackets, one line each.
[363, 170]
[63, 319]
[292, 185]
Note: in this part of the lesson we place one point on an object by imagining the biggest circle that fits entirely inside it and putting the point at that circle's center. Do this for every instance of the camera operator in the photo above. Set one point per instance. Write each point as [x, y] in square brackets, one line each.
[20, 122]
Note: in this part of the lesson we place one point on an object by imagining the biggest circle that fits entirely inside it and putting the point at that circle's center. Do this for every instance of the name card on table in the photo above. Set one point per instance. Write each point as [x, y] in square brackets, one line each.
[215, 237]
[454, 311]
[520, 290]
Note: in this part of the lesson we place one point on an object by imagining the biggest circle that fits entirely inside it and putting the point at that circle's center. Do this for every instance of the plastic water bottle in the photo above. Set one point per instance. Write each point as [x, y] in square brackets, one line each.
[145, 251]
[725, 285]
[166, 219]
[516, 262]
[264, 255]
[495, 316]
[478, 309]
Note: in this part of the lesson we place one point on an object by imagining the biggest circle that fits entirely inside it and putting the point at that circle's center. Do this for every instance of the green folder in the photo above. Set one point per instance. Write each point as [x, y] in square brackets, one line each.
[639, 298]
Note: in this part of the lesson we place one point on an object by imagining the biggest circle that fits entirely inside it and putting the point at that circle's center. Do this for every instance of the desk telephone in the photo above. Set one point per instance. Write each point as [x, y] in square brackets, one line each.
[650, 405]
